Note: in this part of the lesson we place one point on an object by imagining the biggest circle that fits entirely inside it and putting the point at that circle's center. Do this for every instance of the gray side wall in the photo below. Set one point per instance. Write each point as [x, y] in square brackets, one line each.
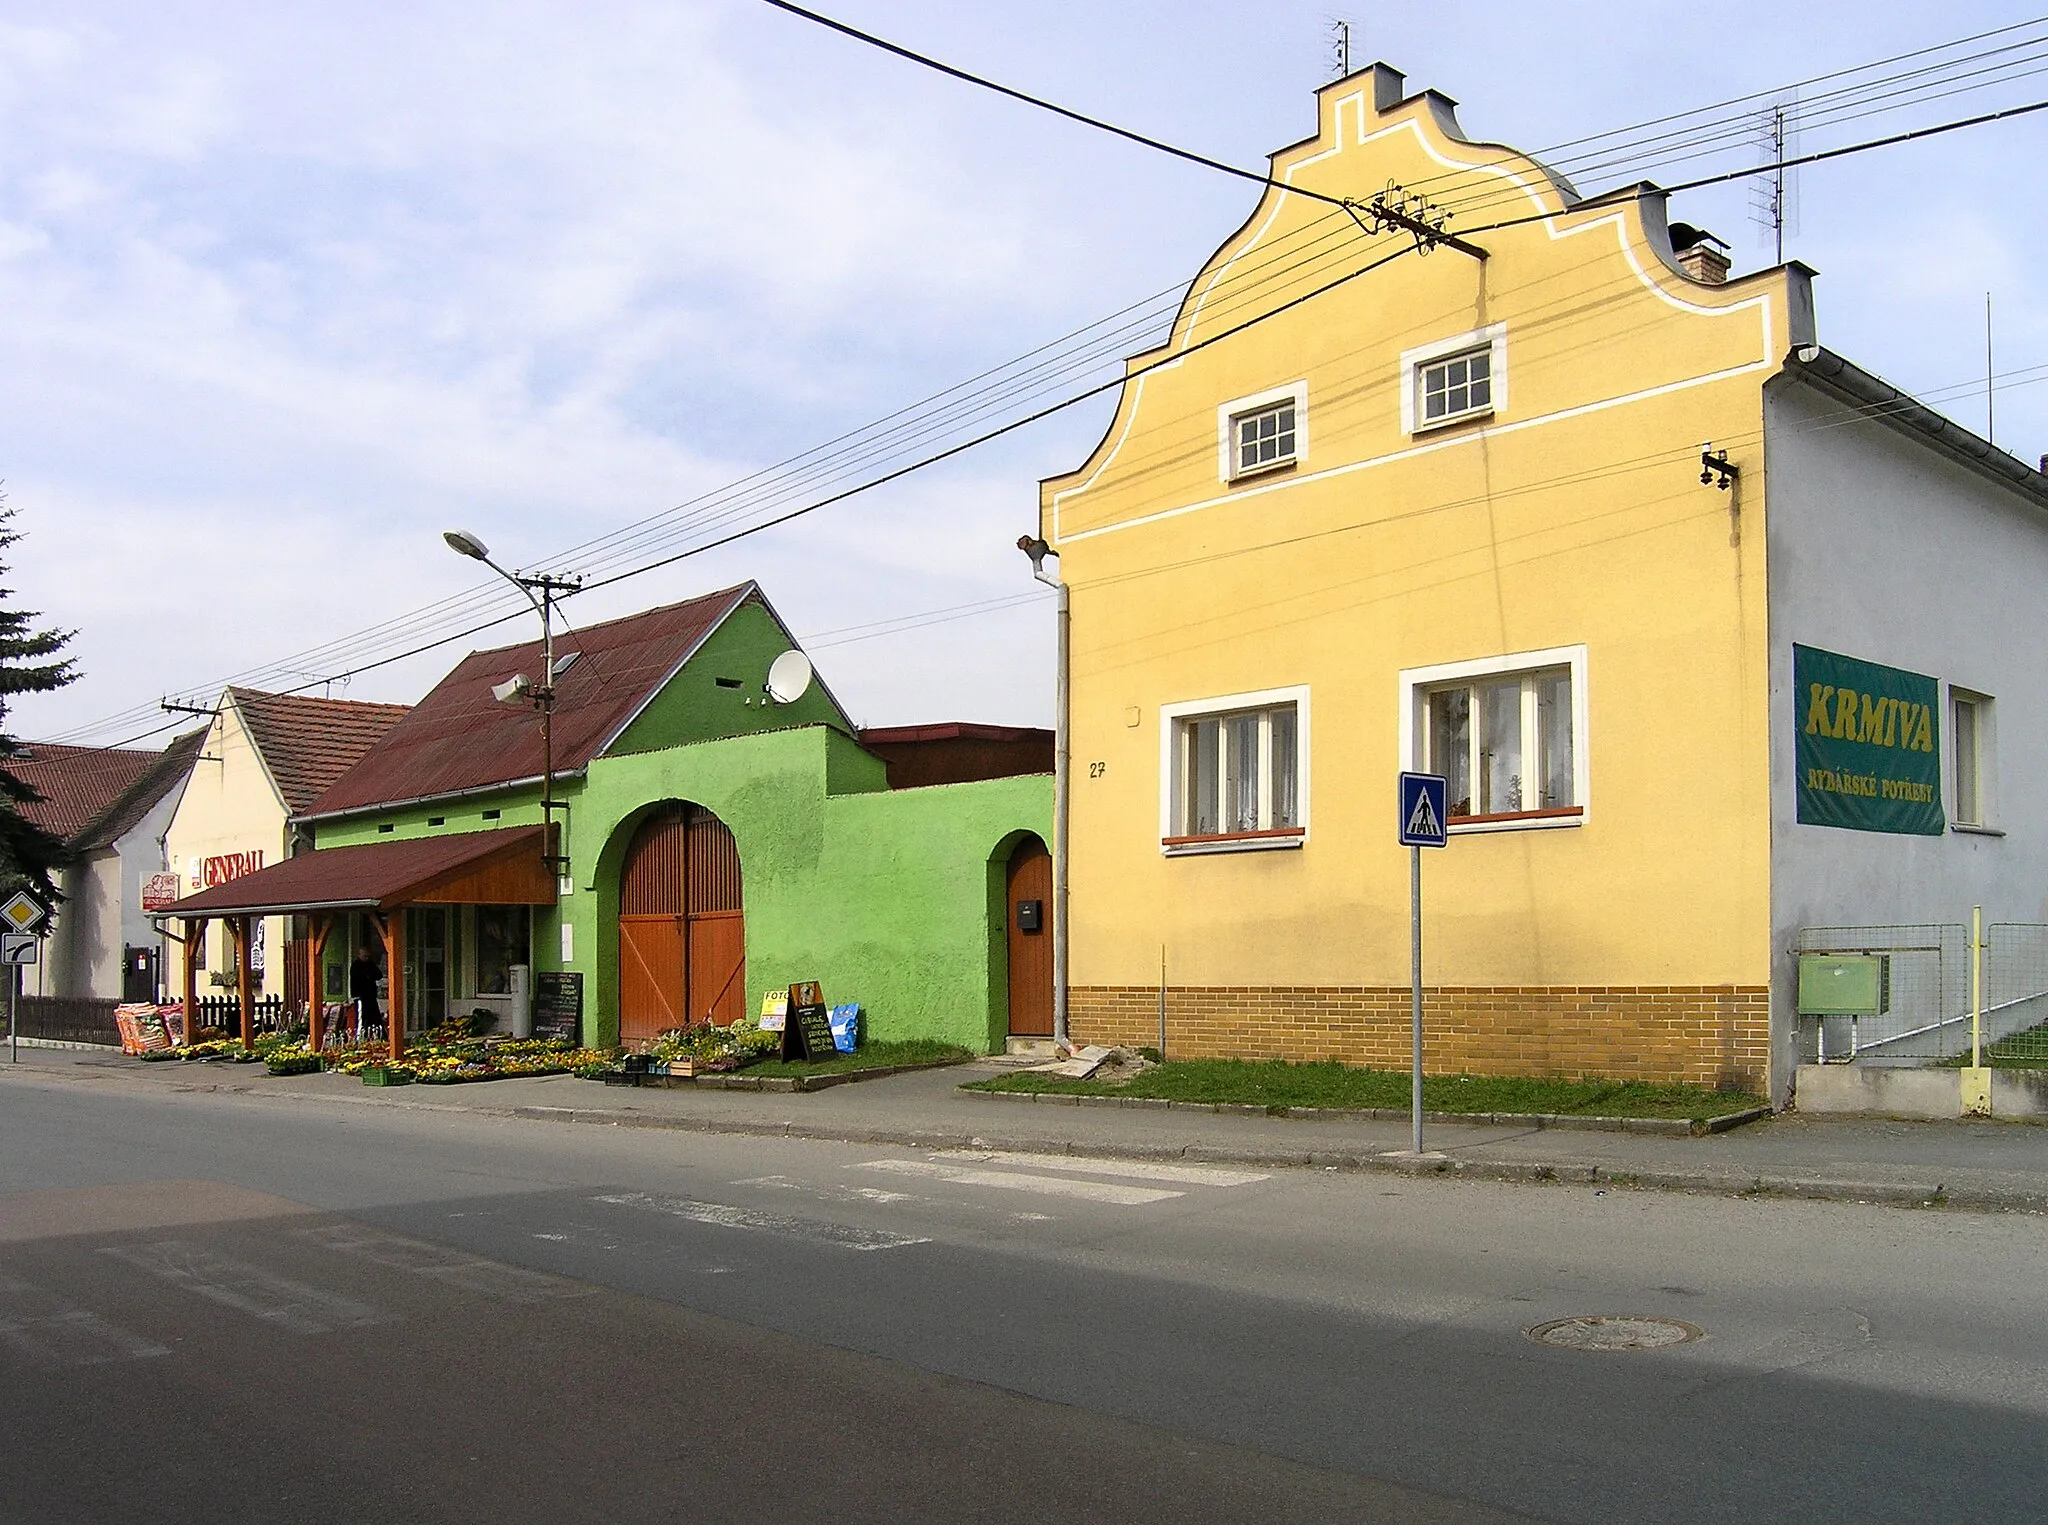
[1882, 548]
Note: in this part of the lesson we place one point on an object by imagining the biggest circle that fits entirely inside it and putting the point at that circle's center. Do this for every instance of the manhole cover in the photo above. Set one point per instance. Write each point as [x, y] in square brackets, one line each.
[1605, 1332]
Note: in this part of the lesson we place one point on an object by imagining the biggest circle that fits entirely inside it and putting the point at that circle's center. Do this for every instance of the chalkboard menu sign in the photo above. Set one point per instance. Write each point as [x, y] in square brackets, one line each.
[558, 1006]
[808, 1032]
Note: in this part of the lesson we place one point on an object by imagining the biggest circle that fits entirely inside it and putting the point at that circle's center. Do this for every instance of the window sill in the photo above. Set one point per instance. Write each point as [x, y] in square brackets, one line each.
[1233, 842]
[1964, 828]
[1518, 820]
[1271, 468]
[1475, 416]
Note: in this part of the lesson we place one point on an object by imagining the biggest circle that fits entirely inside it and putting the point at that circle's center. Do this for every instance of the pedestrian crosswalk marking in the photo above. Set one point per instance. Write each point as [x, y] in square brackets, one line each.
[1137, 1170]
[249, 1289]
[725, 1216]
[452, 1268]
[53, 1332]
[1006, 1180]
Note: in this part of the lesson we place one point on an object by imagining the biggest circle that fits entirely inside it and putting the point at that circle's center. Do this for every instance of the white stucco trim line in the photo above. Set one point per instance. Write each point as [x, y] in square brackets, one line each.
[1413, 682]
[1452, 442]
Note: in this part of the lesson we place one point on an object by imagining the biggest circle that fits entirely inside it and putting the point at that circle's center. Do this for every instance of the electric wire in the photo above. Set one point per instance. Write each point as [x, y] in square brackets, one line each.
[732, 511]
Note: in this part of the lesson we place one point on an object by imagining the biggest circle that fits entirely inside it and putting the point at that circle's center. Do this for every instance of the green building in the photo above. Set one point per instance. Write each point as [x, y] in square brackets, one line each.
[713, 842]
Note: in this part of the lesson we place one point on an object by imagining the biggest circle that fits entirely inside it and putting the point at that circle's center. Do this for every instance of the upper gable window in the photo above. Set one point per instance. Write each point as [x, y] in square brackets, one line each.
[1262, 433]
[1454, 380]
[1456, 387]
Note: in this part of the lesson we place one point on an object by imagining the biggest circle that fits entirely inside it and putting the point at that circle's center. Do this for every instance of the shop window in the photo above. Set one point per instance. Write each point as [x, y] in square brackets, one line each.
[1235, 773]
[502, 940]
[1507, 735]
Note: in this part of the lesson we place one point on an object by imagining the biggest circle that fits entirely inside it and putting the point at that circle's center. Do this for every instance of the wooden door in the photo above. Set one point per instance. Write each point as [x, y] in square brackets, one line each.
[651, 964]
[717, 924]
[1030, 938]
[682, 932]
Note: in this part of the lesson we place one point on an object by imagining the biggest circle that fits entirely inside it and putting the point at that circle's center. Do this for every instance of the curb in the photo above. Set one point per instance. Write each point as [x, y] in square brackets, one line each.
[1664, 1127]
[1535, 1172]
[789, 1084]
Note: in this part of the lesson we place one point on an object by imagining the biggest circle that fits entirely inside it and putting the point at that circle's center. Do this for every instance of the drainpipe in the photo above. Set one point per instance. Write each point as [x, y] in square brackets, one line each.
[1062, 772]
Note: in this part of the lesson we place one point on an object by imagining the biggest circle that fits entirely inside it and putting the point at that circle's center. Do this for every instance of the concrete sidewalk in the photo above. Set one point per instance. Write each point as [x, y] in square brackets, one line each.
[1989, 1165]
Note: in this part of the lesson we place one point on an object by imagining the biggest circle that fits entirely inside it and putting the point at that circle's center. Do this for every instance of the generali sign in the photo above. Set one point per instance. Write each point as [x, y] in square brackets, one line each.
[223, 868]
[158, 891]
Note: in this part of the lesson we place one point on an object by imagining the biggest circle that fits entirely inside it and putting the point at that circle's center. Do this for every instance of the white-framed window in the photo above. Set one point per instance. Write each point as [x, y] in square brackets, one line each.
[1454, 380]
[1970, 760]
[1507, 733]
[1263, 432]
[1234, 772]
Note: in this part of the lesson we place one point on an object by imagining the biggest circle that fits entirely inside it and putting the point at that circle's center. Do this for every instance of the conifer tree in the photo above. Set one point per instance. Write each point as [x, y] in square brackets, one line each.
[31, 662]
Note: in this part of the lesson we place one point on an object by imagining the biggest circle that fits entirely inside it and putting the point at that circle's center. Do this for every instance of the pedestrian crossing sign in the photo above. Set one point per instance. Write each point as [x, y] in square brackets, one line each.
[1422, 820]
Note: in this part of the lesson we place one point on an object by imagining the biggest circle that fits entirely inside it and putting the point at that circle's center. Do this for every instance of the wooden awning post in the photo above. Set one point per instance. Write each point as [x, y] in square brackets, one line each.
[195, 939]
[316, 1004]
[244, 991]
[394, 1013]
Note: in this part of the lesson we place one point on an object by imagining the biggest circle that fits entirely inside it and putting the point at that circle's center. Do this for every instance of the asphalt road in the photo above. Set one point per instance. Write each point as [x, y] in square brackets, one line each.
[232, 1308]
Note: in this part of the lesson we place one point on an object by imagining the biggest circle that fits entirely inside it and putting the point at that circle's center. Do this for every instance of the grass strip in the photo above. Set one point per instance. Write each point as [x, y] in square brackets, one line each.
[869, 1056]
[1277, 1084]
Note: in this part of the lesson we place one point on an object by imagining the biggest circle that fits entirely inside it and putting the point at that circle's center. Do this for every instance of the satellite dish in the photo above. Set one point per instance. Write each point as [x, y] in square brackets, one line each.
[789, 678]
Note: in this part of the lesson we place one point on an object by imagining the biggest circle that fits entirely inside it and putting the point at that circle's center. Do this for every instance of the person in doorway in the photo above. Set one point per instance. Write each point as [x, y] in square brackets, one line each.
[363, 976]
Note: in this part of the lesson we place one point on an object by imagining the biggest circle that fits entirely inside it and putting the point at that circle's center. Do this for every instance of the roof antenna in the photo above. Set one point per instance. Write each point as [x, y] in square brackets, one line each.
[1340, 45]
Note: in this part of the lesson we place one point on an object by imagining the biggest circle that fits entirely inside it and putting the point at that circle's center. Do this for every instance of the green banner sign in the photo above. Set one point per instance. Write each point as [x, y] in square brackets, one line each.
[1869, 745]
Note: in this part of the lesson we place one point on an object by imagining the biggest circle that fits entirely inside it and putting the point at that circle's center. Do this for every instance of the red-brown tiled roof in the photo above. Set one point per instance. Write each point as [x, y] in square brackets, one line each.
[460, 737]
[373, 874]
[308, 743]
[76, 783]
[158, 780]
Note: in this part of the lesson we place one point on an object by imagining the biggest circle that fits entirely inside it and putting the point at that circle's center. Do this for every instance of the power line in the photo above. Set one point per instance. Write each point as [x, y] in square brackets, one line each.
[982, 82]
[997, 396]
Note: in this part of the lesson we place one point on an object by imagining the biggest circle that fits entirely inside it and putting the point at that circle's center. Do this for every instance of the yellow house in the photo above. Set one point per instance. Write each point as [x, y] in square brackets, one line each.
[1493, 509]
[265, 757]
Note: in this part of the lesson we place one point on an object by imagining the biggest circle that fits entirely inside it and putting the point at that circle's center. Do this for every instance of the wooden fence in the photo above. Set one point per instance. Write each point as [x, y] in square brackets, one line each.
[67, 1019]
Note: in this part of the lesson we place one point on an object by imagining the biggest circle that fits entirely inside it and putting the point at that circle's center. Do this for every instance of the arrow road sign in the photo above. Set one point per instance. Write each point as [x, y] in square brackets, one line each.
[23, 911]
[17, 948]
[1423, 822]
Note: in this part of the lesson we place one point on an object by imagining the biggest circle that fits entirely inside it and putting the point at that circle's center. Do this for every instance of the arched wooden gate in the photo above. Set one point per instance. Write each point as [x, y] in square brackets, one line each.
[682, 932]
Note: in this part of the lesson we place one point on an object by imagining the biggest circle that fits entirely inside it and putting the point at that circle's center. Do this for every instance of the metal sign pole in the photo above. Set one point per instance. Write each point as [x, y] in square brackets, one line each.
[13, 1028]
[1415, 996]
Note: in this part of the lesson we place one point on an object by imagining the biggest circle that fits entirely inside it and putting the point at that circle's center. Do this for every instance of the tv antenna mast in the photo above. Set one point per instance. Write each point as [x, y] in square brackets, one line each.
[1340, 46]
[1774, 199]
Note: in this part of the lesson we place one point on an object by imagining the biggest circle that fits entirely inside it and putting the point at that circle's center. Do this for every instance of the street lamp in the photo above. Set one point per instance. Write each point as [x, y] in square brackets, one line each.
[1038, 550]
[541, 591]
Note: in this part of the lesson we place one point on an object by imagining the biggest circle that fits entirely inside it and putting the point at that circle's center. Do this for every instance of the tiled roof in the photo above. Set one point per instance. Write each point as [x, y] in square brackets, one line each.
[372, 874]
[460, 737]
[76, 783]
[164, 775]
[308, 743]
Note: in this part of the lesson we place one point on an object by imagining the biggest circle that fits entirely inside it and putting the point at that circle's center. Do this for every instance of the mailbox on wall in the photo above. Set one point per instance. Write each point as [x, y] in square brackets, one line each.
[1030, 915]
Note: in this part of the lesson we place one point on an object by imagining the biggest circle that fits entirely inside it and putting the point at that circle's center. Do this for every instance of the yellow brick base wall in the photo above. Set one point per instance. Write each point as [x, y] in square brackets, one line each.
[1712, 1035]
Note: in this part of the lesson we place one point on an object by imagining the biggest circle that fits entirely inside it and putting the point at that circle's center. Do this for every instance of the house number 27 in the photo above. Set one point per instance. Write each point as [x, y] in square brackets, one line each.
[1097, 769]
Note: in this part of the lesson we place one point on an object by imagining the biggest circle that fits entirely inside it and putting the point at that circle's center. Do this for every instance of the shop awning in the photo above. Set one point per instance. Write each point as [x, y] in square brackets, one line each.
[464, 868]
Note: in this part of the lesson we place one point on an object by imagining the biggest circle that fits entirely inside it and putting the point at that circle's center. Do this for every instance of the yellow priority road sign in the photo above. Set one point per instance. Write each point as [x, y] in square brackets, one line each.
[23, 912]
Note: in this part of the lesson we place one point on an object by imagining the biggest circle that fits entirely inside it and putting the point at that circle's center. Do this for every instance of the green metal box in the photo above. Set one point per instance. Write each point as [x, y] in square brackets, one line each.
[1844, 984]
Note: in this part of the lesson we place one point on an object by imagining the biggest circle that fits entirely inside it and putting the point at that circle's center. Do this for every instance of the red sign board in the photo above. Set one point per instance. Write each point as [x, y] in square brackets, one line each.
[158, 891]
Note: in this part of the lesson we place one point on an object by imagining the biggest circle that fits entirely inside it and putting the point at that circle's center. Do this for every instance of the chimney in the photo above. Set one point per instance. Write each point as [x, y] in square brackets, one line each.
[1705, 264]
[1697, 256]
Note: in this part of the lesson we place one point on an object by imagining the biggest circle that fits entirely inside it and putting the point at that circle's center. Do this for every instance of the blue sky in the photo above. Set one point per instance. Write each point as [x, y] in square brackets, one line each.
[287, 292]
